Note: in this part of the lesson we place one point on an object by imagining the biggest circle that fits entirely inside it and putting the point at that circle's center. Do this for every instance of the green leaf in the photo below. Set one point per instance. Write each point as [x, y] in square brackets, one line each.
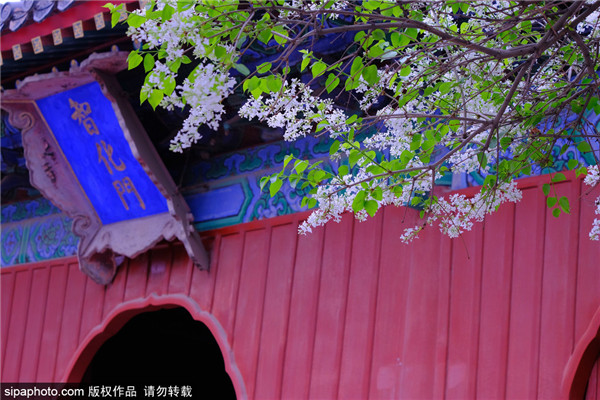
[274, 84]
[334, 147]
[242, 69]
[220, 52]
[305, 62]
[370, 74]
[354, 156]
[556, 212]
[563, 202]
[263, 182]
[405, 71]
[300, 165]
[174, 66]
[134, 59]
[445, 87]
[343, 170]
[332, 82]
[135, 20]
[371, 206]
[318, 68]
[148, 62]
[115, 15]
[584, 147]
[169, 86]
[357, 65]
[551, 201]
[155, 97]
[264, 67]
[559, 177]
[275, 186]
[546, 189]
[359, 201]
[287, 159]
[143, 96]
[351, 119]
[377, 193]
[572, 163]
[167, 12]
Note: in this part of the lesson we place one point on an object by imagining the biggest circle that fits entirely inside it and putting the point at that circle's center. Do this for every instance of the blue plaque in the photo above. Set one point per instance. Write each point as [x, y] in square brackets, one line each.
[86, 128]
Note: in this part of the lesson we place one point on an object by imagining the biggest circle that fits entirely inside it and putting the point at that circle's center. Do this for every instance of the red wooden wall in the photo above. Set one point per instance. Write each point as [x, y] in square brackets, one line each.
[348, 311]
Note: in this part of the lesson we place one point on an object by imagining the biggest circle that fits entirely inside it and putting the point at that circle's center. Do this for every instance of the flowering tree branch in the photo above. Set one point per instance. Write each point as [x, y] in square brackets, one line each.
[407, 91]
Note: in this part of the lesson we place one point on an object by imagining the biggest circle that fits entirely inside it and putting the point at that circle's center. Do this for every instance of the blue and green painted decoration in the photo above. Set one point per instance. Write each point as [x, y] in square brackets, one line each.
[221, 192]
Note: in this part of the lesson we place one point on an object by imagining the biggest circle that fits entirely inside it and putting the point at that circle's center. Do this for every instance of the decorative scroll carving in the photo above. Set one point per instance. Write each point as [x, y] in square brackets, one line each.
[101, 243]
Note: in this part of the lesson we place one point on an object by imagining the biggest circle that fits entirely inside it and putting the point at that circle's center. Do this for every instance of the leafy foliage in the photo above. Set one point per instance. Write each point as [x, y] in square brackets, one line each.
[408, 92]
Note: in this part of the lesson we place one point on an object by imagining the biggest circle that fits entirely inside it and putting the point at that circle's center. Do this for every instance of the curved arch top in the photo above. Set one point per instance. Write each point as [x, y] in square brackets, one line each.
[118, 317]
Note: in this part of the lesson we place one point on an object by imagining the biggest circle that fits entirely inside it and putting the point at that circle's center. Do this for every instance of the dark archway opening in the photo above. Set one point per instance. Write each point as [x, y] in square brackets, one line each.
[163, 347]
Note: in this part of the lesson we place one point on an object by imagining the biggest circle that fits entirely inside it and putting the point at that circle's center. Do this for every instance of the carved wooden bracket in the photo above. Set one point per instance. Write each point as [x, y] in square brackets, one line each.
[102, 240]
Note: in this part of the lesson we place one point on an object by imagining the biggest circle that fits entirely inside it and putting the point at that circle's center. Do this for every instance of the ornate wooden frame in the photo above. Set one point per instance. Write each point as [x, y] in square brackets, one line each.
[101, 247]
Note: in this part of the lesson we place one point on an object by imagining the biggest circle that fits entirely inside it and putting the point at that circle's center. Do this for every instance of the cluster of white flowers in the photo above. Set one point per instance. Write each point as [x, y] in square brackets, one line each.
[370, 93]
[173, 33]
[204, 91]
[295, 110]
[312, 6]
[337, 197]
[456, 215]
[592, 179]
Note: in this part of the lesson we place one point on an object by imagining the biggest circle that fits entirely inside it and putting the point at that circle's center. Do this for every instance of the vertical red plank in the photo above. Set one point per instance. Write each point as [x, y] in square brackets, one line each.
[558, 294]
[588, 273]
[35, 324]
[69, 337]
[463, 339]
[17, 333]
[202, 285]
[246, 337]
[93, 306]
[495, 303]
[420, 326]
[158, 274]
[181, 269]
[137, 275]
[357, 349]
[391, 304]
[226, 285]
[275, 311]
[331, 309]
[52, 323]
[115, 292]
[302, 320]
[441, 353]
[7, 281]
[524, 332]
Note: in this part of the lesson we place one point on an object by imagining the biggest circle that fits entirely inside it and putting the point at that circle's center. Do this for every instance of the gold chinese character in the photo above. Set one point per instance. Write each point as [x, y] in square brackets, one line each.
[90, 126]
[80, 114]
[108, 149]
[126, 186]
[82, 110]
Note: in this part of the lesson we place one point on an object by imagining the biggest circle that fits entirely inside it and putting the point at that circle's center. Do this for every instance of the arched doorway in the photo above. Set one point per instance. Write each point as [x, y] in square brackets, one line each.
[162, 346]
